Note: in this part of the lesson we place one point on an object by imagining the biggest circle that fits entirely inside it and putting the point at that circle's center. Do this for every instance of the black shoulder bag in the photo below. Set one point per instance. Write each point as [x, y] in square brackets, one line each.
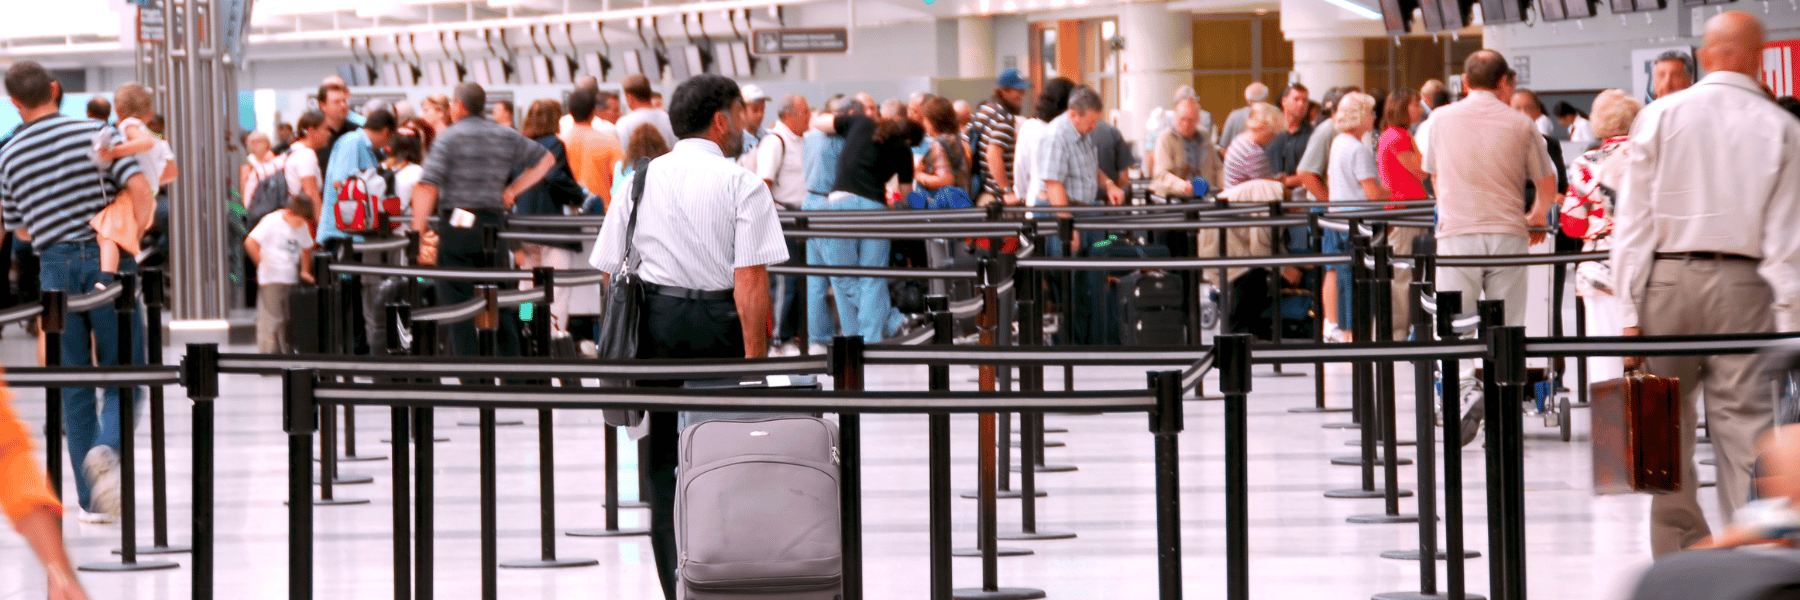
[617, 337]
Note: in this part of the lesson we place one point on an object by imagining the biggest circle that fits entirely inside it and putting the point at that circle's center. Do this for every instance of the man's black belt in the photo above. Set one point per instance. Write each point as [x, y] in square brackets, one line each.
[1705, 256]
[680, 292]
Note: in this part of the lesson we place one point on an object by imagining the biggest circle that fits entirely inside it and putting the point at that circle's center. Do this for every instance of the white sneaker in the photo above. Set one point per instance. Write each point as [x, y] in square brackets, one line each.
[1333, 335]
[101, 468]
[92, 518]
[589, 349]
[787, 348]
[816, 349]
[1473, 408]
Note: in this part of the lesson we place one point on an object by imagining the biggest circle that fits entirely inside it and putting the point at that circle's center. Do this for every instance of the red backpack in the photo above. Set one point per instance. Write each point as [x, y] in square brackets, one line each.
[364, 204]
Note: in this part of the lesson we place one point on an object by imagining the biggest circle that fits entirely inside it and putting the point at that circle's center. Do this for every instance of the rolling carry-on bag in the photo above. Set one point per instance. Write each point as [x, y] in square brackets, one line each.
[757, 510]
[1637, 434]
[304, 319]
[1152, 310]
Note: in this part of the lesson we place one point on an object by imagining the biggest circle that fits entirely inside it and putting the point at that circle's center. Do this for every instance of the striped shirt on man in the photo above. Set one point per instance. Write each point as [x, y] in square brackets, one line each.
[997, 127]
[50, 187]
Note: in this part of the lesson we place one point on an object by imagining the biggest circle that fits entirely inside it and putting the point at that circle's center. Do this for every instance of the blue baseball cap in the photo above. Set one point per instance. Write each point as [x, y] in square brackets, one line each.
[1011, 78]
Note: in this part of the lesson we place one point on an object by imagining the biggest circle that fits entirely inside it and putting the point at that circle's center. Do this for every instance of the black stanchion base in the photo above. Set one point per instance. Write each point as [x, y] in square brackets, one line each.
[360, 458]
[1361, 493]
[1419, 596]
[1341, 426]
[496, 423]
[631, 504]
[1035, 535]
[999, 551]
[134, 567]
[1378, 443]
[607, 532]
[996, 594]
[1414, 554]
[1005, 494]
[1056, 430]
[1379, 519]
[1357, 461]
[438, 440]
[1317, 410]
[160, 550]
[555, 563]
[1047, 444]
[1282, 374]
[1048, 468]
[348, 480]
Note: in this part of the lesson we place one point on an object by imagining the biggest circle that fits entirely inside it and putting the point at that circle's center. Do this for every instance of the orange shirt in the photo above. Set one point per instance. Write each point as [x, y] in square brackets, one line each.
[23, 486]
[591, 156]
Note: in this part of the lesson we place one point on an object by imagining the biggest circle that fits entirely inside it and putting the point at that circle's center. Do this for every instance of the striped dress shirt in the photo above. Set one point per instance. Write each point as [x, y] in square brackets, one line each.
[50, 187]
[704, 216]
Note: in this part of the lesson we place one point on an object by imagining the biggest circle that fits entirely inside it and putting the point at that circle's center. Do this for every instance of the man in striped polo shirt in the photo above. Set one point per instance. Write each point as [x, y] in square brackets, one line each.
[49, 190]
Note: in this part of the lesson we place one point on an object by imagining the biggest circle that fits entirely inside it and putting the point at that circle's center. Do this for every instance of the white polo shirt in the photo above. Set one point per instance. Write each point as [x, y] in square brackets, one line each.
[781, 160]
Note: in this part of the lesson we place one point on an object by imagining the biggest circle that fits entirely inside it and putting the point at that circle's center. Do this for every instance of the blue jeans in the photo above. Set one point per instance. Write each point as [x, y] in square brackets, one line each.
[863, 305]
[819, 324]
[784, 291]
[1338, 242]
[74, 269]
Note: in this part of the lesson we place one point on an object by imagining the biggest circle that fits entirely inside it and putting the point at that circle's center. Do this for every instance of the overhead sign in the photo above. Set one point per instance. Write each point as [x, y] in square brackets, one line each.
[152, 26]
[1780, 66]
[826, 40]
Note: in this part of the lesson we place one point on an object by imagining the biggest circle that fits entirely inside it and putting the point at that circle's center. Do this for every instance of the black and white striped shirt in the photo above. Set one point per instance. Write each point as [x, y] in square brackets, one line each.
[704, 217]
[50, 187]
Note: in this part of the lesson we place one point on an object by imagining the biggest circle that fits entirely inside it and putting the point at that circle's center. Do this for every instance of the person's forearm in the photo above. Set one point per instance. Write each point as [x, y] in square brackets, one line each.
[253, 250]
[125, 149]
[1315, 186]
[424, 203]
[1546, 196]
[752, 297]
[997, 156]
[530, 177]
[1056, 194]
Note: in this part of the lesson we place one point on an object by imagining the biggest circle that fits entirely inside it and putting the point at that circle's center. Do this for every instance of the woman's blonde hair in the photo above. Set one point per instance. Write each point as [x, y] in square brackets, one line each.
[132, 100]
[1354, 110]
[1262, 116]
[1614, 111]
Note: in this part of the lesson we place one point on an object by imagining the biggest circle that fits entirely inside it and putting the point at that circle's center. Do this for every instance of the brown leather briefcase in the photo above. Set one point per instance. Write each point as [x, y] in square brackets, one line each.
[1637, 434]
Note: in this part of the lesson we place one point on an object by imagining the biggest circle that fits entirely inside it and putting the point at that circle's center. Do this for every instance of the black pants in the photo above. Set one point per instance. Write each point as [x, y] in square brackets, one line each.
[678, 328]
[461, 247]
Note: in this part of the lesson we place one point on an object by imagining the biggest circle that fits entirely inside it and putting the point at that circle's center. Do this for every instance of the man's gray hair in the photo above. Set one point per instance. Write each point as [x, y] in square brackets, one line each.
[844, 105]
[1185, 92]
[1687, 63]
[1256, 92]
[1084, 98]
[790, 105]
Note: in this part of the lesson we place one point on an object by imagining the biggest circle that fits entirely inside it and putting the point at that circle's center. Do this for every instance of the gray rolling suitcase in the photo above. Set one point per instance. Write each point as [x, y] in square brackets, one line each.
[757, 510]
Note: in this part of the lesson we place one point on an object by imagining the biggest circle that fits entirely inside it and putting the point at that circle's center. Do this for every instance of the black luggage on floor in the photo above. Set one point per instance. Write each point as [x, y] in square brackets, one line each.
[1253, 311]
[1097, 316]
[305, 318]
[1151, 310]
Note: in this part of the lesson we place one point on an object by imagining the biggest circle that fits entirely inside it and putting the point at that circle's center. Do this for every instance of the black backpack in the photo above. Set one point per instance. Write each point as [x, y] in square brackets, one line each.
[271, 194]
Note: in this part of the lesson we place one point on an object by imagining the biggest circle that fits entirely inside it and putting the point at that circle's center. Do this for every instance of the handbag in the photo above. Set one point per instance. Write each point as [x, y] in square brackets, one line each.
[1637, 434]
[617, 334]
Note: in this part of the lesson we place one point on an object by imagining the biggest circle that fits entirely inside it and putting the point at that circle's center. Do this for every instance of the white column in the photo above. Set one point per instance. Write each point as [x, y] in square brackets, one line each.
[1159, 51]
[1328, 42]
[975, 48]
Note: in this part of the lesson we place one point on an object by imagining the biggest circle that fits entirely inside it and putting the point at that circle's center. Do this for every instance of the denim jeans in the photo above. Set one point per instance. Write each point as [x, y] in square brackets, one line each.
[785, 293]
[819, 323]
[863, 305]
[74, 269]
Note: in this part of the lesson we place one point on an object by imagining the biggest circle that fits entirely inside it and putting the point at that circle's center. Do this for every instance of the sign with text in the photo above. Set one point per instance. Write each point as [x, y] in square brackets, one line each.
[1779, 66]
[152, 26]
[827, 40]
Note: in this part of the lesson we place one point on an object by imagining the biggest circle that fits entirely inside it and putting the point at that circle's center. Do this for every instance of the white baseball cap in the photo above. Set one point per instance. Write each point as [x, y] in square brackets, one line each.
[752, 93]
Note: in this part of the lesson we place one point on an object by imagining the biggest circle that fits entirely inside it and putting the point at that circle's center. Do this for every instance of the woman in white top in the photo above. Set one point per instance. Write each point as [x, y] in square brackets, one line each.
[260, 163]
[1050, 104]
[405, 154]
[303, 177]
[1353, 176]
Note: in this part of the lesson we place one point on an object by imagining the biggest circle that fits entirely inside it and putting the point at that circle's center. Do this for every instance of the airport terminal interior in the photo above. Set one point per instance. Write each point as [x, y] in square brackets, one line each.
[219, 70]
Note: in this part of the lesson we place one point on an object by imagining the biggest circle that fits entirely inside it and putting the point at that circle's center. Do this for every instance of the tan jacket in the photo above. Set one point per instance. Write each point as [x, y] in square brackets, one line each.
[1172, 165]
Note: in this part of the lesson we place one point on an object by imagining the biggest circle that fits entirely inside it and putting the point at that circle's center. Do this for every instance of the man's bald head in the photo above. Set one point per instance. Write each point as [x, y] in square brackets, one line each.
[1733, 42]
[1484, 70]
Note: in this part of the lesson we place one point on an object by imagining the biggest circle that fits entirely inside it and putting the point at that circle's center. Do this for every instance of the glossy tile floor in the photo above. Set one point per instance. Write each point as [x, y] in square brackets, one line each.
[1580, 546]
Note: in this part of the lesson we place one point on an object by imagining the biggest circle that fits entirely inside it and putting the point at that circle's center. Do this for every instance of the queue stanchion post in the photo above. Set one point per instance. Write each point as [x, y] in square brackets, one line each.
[300, 420]
[1449, 305]
[151, 280]
[987, 528]
[1362, 386]
[1065, 231]
[938, 453]
[1031, 379]
[398, 317]
[492, 256]
[543, 278]
[1233, 354]
[487, 325]
[124, 309]
[351, 294]
[52, 323]
[424, 343]
[200, 375]
[1166, 424]
[333, 338]
[610, 504]
[803, 323]
[1377, 293]
[1505, 436]
[847, 366]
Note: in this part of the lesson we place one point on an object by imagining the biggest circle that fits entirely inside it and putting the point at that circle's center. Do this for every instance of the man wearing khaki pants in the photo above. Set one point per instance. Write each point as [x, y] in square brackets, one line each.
[1705, 244]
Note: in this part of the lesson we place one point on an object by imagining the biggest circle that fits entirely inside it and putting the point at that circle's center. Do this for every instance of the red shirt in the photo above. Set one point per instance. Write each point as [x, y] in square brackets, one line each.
[1394, 176]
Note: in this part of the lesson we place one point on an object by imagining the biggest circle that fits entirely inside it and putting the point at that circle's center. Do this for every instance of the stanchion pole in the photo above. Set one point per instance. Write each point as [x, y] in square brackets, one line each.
[1493, 317]
[1166, 423]
[350, 296]
[200, 375]
[1506, 447]
[398, 317]
[1449, 305]
[1031, 379]
[544, 278]
[424, 487]
[1315, 239]
[987, 528]
[52, 323]
[803, 325]
[152, 280]
[301, 419]
[1362, 384]
[1378, 292]
[333, 339]
[487, 324]
[938, 376]
[124, 308]
[1234, 380]
[847, 368]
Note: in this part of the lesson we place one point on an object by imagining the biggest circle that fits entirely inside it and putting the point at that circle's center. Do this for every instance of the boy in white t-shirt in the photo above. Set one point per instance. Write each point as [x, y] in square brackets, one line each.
[279, 246]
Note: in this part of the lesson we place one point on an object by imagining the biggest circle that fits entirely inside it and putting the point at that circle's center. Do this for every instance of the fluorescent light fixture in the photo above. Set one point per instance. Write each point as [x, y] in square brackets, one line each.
[1360, 10]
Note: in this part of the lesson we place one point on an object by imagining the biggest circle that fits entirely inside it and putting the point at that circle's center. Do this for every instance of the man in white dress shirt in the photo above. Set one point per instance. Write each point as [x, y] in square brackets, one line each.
[1704, 243]
[706, 235]
[781, 163]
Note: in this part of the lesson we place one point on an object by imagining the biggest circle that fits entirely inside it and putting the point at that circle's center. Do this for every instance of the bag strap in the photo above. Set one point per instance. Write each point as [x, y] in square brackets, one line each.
[642, 168]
